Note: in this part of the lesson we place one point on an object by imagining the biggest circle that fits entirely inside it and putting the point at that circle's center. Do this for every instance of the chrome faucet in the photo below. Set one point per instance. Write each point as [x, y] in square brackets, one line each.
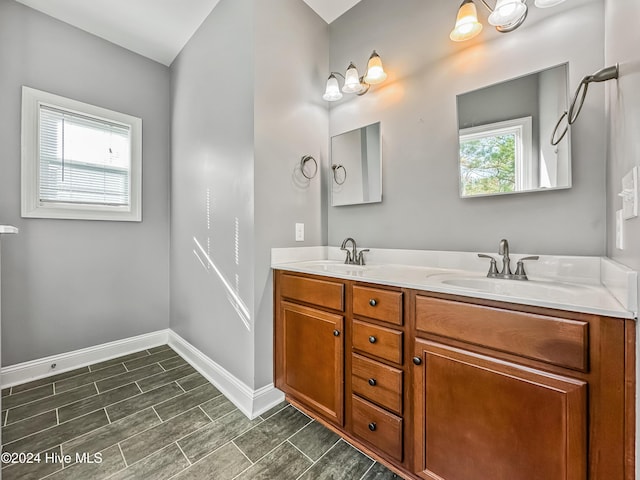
[353, 256]
[503, 249]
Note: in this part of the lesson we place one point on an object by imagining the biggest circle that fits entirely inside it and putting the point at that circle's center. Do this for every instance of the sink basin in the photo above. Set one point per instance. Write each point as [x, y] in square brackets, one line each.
[527, 288]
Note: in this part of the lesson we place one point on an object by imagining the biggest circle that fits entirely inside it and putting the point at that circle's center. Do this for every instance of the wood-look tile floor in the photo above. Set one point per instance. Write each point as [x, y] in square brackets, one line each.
[149, 415]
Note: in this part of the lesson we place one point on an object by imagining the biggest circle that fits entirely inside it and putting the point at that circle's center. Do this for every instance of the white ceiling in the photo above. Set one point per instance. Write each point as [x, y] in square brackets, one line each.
[157, 29]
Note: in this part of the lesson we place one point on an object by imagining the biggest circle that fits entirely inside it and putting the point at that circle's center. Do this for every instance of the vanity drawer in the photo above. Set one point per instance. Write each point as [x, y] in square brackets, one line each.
[553, 340]
[385, 305]
[323, 293]
[377, 426]
[377, 382]
[381, 342]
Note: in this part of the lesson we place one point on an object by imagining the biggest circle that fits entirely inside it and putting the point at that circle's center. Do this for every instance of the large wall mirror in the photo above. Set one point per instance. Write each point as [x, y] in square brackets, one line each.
[505, 136]
[356, 166]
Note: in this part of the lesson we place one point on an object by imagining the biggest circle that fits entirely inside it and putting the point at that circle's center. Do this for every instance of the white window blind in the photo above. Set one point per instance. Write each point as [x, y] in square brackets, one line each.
[82, 159]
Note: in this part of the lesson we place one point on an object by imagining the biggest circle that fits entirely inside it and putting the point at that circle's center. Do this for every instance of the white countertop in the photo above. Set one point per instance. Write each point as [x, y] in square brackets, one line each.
[593, 285]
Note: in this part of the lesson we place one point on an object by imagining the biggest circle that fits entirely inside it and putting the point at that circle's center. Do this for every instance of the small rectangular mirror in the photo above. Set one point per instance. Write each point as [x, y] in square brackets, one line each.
[356, 166]
[505, 136]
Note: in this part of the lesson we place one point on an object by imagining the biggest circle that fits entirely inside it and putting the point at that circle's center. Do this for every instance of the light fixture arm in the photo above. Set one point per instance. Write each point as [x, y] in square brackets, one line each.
[487, 5]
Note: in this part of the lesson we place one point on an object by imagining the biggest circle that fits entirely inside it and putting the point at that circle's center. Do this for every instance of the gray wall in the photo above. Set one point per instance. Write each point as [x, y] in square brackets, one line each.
[212, 182]
[241, 121]
[623, 115]
[291, 120]
[622, 38]
[417, 107]
[71, 284]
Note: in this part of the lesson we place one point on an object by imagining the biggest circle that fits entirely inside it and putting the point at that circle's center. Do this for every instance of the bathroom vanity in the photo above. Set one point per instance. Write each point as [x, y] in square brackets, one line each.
[443, 382]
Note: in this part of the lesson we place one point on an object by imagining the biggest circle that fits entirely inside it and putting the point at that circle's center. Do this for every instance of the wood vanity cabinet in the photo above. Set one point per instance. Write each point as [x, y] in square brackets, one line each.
[309, 343]
[506, 392]
[376, 370]
[443, 387]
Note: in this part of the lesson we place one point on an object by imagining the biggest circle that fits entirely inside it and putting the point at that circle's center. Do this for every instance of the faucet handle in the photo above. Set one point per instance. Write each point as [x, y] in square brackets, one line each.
[520, 267]
[361, 257]
[493, 269]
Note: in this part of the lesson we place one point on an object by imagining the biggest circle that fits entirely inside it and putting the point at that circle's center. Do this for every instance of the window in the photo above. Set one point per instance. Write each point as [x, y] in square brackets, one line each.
[79, 161]
[496, 158]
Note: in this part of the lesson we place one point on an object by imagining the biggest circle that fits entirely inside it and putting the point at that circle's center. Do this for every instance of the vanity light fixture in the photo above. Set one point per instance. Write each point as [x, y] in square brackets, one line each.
[506, 16]
[353, 82]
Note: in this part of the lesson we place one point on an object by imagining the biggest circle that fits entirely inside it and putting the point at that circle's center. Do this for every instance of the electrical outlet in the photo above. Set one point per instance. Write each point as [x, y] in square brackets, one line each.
[299, 232]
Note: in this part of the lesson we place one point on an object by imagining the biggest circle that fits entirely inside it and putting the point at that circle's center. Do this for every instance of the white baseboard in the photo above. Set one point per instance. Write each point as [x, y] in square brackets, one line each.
[250, 402]
[40, 368]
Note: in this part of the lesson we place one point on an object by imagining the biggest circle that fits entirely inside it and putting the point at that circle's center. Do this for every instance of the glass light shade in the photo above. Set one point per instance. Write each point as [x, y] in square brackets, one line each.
[351, 80]
[375, 73]
[332, 92]
[547, 3]
[507, 12]
[467, 25]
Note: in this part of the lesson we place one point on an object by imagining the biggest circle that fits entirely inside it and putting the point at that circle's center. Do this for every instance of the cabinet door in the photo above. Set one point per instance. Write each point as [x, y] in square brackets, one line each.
[480, 418]
[310, 358]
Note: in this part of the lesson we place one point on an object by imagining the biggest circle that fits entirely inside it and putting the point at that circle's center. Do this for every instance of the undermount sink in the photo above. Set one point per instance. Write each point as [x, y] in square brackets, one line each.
[514, 287]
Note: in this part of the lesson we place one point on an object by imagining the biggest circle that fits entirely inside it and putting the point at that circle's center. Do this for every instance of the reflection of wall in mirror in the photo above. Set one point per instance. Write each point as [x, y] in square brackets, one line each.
[346, 151]
[358, 154]
[552, 92]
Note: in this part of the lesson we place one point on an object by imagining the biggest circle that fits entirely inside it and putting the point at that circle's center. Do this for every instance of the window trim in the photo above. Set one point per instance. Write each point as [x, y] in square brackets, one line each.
[523, 129]
[31, 206]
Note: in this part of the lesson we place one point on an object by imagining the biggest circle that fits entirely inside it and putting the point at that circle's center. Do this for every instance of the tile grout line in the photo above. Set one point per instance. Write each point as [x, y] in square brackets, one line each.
[123, 457]
[107, 414]
[45, 411]
[181, 387]
[79, 416]
[274, 448]
[288, 440]
[115, 375]
[211, 453]
[157, 425]
[320, 458]
[44, 384]
[55, 426]
[137, 395]
[249, 467]
[368, 470]
[185, 455]
[29, 402]
[98, 392]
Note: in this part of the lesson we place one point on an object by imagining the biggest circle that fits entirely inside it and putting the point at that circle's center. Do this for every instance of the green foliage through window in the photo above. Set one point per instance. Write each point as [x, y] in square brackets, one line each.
[488, 164]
